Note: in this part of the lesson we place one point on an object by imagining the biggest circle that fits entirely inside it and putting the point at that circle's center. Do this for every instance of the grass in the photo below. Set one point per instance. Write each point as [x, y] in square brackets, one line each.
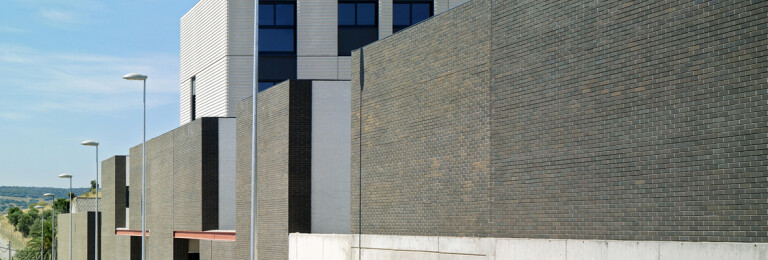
[18, 241]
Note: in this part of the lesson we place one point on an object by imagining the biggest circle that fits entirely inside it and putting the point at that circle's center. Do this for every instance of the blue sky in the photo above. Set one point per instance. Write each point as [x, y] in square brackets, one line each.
[61, 64]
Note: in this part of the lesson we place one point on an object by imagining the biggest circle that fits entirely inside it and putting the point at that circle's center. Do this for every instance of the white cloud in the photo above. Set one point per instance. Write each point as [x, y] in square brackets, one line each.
[39, 81]
[58, 16]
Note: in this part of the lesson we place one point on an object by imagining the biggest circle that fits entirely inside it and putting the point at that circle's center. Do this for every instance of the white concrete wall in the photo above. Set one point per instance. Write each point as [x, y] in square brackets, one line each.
[331, 156]
[313, 246]
[227, 176]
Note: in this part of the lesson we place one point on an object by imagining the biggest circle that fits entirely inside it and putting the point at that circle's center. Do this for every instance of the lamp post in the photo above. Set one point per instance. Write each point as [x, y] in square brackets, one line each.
[253, 126]
[137, 76]
[96, 216]
[41, 230]
[53, 222]
[69, 195]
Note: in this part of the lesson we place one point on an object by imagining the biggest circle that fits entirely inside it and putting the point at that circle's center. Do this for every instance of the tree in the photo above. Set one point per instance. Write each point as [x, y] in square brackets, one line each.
[32, 249]
[14, 214]
[61, 205]
[25, 224]
[93, 185]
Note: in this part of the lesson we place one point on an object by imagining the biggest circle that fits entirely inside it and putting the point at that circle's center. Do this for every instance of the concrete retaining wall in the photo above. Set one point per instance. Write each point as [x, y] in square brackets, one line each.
[324, 246]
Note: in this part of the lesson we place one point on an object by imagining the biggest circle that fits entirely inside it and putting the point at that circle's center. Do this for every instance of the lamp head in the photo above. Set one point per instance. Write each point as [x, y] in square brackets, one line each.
[39, 207]
[48, 195]
[134, 76]
[65, 176]
[90, 143]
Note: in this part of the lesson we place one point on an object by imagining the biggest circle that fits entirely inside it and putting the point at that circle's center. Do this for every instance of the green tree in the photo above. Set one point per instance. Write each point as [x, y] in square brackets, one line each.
[93, 185]
[61, 205]
[32, 250]
[14, 214]
[25, 224]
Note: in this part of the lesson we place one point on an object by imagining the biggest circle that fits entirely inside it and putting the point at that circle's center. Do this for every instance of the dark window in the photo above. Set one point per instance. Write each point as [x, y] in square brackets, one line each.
[263, 85]
[127, 198]
[277, 28]
[193, 98]
[405, 14]
[358, 22]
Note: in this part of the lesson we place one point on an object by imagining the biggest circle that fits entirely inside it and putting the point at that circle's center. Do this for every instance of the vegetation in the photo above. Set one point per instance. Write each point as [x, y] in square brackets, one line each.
[22, 196]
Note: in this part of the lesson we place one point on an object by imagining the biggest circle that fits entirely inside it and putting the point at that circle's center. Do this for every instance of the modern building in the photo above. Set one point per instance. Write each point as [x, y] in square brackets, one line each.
[561, 130]
[299, 39]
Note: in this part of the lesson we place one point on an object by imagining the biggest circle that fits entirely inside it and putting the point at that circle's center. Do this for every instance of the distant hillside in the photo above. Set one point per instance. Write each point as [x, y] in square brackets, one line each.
[13, 196]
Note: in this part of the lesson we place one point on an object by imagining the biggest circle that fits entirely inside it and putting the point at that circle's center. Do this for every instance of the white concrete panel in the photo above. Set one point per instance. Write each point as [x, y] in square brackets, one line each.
[712, 251]
[292, 247]
[239, 81]
[385, 18]
[311, 247]
[337, 247]
[240, 27]
[317, 28]
[410, 243]
[468, 245]
[539, 249]
[331, 153]
[317, 68]
[227, 168]
[407, 255]
[345, 68]
[463, 257]
[607, 250]
[372, 254]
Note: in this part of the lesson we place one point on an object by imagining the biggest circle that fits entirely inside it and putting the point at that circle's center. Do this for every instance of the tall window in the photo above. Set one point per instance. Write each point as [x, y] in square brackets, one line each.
[358, 25]
[277, 28]
[193, 97]
[405, 14]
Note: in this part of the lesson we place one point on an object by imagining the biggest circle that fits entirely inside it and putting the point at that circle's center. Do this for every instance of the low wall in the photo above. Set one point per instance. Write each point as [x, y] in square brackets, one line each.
[313, 246]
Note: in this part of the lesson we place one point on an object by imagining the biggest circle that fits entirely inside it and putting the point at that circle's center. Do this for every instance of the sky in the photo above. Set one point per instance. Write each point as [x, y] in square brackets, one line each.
[61, 68]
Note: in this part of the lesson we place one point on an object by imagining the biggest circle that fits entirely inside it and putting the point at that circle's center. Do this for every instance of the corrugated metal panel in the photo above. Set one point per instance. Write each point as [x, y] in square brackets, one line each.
[345, 68]
[385, 18]
[184, 104]
[317, 67]
[454, 3]
[240, 27]
[212, 90]
[441, 6]
[317, 28]
[240, 80]
[203, 37]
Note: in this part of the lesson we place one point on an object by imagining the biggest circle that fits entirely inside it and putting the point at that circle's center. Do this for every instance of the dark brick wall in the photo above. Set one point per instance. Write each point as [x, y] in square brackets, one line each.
[628, 120]
[425, 147]
[284, 176]
[113, 203]
[182, 184]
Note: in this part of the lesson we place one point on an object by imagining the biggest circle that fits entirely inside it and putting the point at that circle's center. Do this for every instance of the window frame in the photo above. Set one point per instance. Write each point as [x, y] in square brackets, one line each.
[375, 13]
[275, 26]
[397, 28]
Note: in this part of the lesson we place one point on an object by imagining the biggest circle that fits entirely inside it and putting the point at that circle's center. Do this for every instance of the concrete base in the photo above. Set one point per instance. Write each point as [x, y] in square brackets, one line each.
[328, 247]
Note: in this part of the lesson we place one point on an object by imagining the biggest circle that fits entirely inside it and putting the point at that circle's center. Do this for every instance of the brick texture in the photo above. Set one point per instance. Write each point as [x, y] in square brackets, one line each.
[625, 120]
[284, 169]
[113, 206]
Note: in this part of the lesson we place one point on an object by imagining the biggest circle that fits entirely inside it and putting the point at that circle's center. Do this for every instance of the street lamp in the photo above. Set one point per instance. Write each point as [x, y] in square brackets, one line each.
[53, 222]
[254, 114]
[41, 230]
[96, 216]
[137, 76]
[69, 195]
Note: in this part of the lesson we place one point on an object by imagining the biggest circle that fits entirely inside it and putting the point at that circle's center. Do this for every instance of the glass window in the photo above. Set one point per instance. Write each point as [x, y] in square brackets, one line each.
[284, 14]
[401, 14]
[263, 85]
[277, 27]
[405, 14]
[346, 14]
[357, 13]
[276, 40]
[266, 14]
[420, 12]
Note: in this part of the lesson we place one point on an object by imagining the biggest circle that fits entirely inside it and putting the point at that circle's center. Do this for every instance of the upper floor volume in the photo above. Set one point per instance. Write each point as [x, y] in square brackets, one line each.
[298, 39]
